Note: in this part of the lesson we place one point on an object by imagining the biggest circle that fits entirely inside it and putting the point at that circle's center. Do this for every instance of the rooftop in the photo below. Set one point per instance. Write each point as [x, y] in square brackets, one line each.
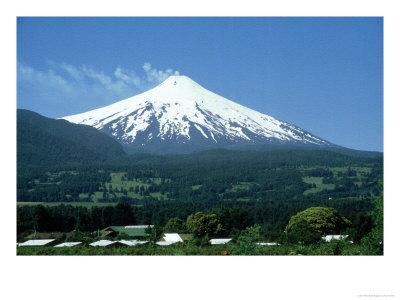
[131, 230]
[132, 242]
[36, 242]
[172, 237]
[219, 241]
[102, 243]
[68, 244]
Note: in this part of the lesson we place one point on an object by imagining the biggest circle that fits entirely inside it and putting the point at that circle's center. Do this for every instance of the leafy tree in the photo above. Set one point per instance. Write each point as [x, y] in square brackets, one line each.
[123, 215]
[234, 220]
[373, 241]
[246, 243]
[153, 233]
[324, 220]
[43, 221]
[201, 224]
[362, 225]
[83, 221]
[302, 233]
[175, 225]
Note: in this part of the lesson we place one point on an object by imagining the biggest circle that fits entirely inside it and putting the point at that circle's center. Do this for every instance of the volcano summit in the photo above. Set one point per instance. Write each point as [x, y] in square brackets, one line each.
[179, 116]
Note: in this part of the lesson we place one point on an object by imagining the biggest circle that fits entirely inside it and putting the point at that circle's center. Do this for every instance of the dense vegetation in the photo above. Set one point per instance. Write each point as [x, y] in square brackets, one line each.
[45, 141]
[207, 176]
[204, 226]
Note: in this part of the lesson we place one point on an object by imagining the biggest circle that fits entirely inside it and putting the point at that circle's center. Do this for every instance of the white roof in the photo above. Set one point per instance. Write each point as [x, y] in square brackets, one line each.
[267, 244]
[102, 243]
[138, 226]
[172, 237]
[166, 243]
[132, 242]
[334, 237]
[68, 244]
[219, 241]
[36, 242]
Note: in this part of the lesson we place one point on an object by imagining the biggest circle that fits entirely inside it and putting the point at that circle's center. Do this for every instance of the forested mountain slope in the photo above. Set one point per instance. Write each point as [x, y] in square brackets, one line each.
[45, 141]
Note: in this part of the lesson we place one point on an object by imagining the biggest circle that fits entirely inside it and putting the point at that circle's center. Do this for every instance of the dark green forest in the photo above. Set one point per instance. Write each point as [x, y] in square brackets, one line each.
[206, 176]
[46, 141]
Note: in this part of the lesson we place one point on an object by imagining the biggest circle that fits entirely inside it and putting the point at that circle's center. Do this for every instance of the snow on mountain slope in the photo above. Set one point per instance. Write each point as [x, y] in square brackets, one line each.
[179, 112]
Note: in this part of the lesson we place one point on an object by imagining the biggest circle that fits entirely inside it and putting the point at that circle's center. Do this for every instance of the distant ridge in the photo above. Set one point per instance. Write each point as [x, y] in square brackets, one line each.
[336, 149]
[45, 141]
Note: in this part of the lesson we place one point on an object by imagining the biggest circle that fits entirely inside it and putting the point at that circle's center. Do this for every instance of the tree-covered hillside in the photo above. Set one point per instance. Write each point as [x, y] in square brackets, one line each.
[44, 141]
[207, 176]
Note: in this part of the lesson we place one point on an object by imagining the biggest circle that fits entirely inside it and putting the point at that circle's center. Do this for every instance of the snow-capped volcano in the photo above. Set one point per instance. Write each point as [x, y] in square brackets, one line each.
[179, 115]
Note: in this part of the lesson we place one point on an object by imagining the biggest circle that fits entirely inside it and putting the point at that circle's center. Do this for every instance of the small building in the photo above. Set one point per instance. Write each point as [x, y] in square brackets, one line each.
[171, 237]
[44, 242]
[132, 242]
[219, 241]
[103, 243]
[267, 244]
[130, 230]
[68, 244]
[48, 235]
[328, 238]
[186, 236]
[166, 243]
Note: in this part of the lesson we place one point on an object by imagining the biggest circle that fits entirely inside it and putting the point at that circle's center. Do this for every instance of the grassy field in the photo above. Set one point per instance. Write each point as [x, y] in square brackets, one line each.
[196, 187]
[243, 199]
[240, 186]
[117, 182]
[319, 185]
[361, 171]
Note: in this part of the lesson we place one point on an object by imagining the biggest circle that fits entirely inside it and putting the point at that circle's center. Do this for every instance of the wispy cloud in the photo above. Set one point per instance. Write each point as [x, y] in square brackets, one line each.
[65, 89]
[154, 75]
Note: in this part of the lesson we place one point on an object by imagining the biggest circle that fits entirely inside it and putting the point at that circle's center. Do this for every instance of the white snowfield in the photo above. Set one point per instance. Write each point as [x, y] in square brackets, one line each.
[180, 106]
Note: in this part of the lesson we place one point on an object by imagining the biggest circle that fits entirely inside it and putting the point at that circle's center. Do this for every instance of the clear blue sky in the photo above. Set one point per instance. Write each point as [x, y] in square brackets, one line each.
[322, 74]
